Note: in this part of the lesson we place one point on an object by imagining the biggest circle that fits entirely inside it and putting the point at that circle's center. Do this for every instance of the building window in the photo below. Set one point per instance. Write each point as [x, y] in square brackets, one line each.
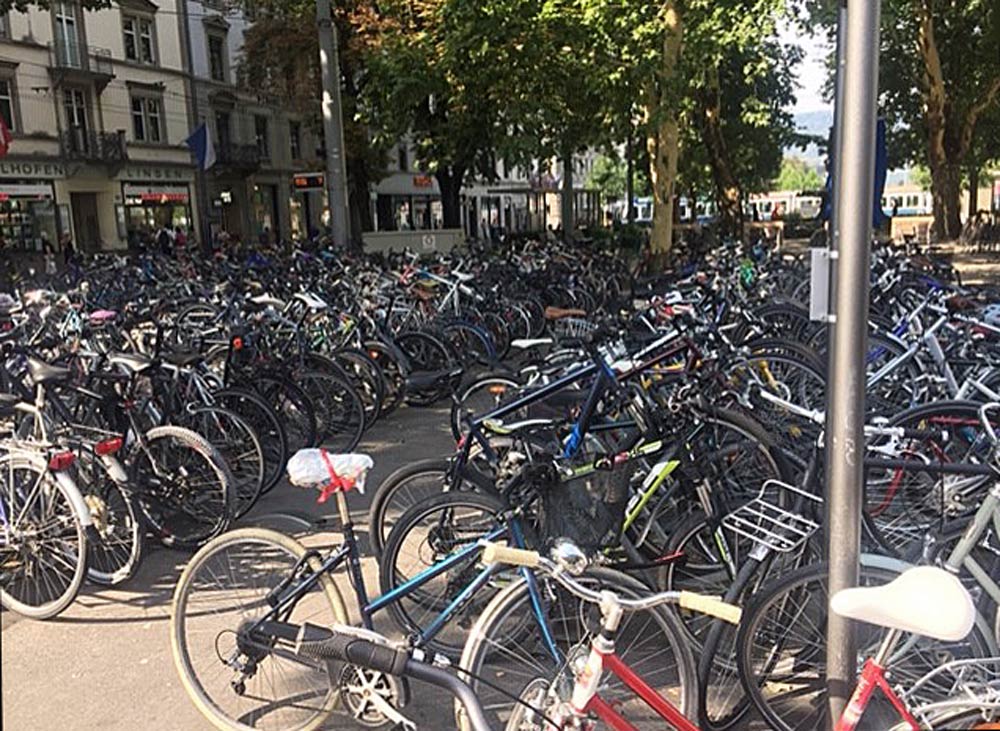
[7, 102]
[222, 129]
[295, 139]
[5, 26]
[217, 57]
[404, 161]
[139, 44]
[147, 119]
[260, 129]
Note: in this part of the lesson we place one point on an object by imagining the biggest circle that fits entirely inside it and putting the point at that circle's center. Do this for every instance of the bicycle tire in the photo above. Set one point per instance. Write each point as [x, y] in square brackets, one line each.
[199, 454]
[265, 422]
[180, 618]
[67, 515]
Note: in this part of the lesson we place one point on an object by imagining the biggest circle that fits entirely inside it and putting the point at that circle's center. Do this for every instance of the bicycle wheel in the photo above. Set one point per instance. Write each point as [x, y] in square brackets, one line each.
[294, 409]
[393, 374]
[781, 647]
[367, 379]
[901, 506]
[118, 539]
[481, 396]
[506, 656]
[266, 425]
[43, 557]
[226, 584]
[425, 535]
[411, 484]
[239, 447]
[340, 415]
[183, 486]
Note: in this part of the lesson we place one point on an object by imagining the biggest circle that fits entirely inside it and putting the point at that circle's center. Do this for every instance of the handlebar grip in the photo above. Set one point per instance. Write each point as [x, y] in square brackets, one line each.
[495, 553]
[712, 606]
[354, 650]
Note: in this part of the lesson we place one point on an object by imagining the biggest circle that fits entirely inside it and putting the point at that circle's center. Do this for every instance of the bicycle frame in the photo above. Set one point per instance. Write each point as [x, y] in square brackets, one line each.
[872, 678]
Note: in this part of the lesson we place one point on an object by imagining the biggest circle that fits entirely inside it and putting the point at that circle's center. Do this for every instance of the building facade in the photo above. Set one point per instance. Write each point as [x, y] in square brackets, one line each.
[96, 102]
[257, 186]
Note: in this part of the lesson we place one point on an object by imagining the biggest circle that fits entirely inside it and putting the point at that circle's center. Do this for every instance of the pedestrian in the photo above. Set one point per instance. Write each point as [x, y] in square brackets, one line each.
[68, 249]
[754, 212]
[164, 241]
[180, 239]
[49, 254]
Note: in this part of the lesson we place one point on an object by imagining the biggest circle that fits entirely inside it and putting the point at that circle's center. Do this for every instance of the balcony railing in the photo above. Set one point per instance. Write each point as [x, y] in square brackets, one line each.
[102, 147]
[240, 157]
[72, 55]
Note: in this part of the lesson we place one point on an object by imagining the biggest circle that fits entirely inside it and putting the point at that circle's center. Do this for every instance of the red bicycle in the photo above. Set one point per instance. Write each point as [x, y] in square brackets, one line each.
[546, 705]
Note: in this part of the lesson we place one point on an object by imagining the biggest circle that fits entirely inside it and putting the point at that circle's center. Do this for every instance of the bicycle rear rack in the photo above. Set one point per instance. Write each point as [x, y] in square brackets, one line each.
[765, 522]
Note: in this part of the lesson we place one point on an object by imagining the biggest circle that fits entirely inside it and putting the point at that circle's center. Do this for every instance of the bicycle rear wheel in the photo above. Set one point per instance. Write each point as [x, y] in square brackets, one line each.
[183, 486]
[226, 584]
[265, 422]
[43, 557]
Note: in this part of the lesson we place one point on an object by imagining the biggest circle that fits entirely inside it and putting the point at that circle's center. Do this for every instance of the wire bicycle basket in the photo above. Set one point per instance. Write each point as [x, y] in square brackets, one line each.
[764, 521]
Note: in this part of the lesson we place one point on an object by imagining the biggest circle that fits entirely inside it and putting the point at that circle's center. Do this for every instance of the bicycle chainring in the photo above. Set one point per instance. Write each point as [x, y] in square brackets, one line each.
[358, 686]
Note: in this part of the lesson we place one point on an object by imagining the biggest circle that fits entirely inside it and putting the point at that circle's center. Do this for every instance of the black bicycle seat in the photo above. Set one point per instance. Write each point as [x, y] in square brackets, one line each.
[183, 360]
[42, 372]
[132, 361]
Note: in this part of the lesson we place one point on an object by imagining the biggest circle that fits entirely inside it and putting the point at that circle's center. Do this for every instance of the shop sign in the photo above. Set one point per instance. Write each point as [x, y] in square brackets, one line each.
[31, 170]
[305, 182]
[25, 191]
[143, 172]
[423, 181]
[141, 195]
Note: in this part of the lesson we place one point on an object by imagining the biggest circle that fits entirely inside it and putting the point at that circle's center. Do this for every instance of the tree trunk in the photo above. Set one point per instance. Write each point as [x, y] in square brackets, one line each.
[946, 191]
[629, 177]
[727, 188]
[449, 180]
[566, 200]
[973, 191]
[663, 142]
[359, 199]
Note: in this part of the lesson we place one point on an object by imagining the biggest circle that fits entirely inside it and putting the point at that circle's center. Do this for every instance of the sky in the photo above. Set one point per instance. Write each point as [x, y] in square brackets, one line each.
[811, 72]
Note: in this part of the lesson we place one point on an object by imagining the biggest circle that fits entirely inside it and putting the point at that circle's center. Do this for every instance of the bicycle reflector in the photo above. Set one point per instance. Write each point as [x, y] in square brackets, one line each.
[497, 389]
[61, 461]
[108, 446]
[237, 343]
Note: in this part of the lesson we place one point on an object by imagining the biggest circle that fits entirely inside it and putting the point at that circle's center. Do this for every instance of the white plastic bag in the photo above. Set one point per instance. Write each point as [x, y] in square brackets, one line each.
[307, 468]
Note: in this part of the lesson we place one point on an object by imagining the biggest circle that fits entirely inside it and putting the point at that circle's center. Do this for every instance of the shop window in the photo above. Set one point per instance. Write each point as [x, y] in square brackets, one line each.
[217, 57]
[295, 139]
[261, 132]
[147, 119]
[139, 34]
[7, 102]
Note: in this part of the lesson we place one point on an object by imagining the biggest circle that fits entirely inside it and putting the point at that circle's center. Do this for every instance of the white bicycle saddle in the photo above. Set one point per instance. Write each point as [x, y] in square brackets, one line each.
[924, 600]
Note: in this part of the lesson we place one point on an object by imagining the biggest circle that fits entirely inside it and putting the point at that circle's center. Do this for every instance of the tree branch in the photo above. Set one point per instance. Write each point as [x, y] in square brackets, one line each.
[969, 127]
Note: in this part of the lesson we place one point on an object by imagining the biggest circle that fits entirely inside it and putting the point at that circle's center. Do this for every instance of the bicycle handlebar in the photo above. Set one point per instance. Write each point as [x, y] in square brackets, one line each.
[710, 605]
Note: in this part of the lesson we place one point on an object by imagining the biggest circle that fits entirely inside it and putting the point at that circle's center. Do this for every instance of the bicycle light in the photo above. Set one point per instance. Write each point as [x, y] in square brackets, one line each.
[237, 343]
[61, 461]
[108, 446]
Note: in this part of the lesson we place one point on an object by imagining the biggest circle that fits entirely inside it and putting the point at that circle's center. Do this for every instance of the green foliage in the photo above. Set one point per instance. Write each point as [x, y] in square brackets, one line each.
[796, 174]
[608, 175]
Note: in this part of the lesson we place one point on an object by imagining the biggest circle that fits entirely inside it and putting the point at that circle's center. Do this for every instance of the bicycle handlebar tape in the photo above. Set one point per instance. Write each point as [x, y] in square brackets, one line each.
[495, 553]
[711, 606]
[358, 651]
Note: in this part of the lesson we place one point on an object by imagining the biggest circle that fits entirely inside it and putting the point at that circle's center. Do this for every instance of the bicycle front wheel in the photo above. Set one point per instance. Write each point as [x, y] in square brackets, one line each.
[507, 655]
[227, 584]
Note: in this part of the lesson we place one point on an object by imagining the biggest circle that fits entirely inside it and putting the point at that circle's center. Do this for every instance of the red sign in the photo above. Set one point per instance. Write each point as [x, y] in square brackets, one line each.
[308, 181]
[423, 181]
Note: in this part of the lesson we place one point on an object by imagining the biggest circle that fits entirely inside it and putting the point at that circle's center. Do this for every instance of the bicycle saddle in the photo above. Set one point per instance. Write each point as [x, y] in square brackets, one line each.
[266, 300]
[924, 600]
[42, 372]
[132, 361]
[431, 379]
[558, 313]
[524, 344]
[183, 360]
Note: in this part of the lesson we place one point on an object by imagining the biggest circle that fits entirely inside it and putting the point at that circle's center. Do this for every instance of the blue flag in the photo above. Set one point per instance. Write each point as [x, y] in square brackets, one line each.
[200, 143]
[881, 173]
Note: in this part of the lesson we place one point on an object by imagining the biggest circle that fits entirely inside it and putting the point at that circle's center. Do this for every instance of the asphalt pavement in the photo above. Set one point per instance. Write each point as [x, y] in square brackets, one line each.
[105, 663]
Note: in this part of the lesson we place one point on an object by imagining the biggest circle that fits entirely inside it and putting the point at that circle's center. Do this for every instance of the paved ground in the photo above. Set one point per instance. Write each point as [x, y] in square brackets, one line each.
[105, 664]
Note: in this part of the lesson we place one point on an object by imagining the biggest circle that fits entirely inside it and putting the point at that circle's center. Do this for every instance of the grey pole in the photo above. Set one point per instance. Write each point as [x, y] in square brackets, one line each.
[333, 125]
[846, 405]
